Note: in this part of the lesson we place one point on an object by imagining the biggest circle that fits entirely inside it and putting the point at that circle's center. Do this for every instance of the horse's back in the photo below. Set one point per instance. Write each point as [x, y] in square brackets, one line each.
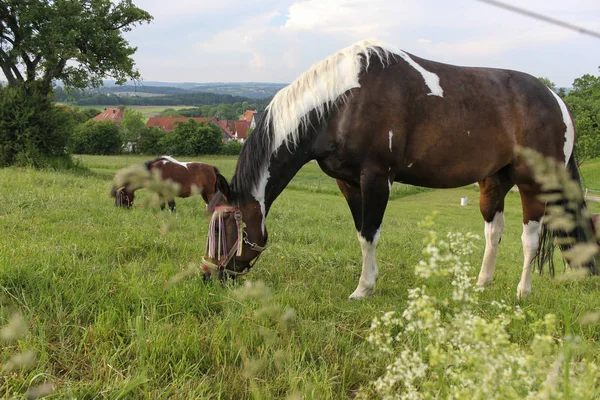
[441, 125]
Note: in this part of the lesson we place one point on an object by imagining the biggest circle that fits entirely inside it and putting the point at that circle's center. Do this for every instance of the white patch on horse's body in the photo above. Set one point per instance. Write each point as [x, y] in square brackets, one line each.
[493, 232]
[368, 276]
[531, 243]
[570, 131]
[410, 165]
[431, 80]
[259, 193]
[390, 185]
[390, 138]
[171, 159]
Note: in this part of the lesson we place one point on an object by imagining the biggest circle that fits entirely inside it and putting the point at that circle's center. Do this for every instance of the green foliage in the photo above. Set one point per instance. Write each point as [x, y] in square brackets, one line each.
[32, 129]
[548, 82]
[131, 128]
[149, 141]
[169, 113]
[231, 148]
[226, 111]
[192, 138]
[77, 42]
[97, 137]
[584, 103]
[82, 115]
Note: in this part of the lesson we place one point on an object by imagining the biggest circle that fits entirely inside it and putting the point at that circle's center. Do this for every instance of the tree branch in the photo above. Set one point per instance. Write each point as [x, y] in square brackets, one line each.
[53, 73]
[12, 81]
[17, 73]
[30, 65]
[8, 39]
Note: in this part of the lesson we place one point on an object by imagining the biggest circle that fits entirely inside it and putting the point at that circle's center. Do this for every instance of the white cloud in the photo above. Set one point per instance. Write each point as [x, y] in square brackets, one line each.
[271, 40]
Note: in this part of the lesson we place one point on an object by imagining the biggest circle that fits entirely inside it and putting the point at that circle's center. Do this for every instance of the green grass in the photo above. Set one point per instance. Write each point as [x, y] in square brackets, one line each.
[590, 171]
[91, 281]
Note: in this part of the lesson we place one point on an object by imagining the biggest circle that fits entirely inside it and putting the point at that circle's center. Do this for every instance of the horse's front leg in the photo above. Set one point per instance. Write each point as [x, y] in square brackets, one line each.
[374, 192]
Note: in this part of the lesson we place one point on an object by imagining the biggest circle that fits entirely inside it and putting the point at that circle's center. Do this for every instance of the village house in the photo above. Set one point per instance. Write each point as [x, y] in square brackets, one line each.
[230, 129]
[114, 115]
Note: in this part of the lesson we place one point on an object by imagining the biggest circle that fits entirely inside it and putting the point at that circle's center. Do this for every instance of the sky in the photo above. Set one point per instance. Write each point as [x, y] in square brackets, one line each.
[276, 40]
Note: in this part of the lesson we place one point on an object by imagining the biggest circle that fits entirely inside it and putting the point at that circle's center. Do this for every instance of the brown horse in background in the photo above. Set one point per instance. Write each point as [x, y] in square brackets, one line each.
[192, 178]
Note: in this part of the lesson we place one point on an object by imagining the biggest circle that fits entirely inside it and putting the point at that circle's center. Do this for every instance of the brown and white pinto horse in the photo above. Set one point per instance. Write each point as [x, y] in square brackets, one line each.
[192, 178]
[371, 115]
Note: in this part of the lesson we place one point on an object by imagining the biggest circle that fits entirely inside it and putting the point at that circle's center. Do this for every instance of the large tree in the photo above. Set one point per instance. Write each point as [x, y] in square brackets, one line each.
[78, 42]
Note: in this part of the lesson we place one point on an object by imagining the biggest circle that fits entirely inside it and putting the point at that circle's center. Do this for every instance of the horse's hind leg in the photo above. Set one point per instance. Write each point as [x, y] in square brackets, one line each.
[533, 211]
[171, 204]
[493, 190]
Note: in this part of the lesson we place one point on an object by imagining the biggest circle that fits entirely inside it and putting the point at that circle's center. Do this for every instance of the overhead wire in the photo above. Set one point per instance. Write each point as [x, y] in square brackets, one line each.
[541, 17]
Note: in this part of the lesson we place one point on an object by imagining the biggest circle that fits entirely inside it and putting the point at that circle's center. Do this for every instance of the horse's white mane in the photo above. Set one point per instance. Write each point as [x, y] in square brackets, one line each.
[319, 88]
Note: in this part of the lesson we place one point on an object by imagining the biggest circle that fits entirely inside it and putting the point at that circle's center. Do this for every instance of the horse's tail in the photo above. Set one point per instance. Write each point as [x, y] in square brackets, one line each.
[583, 232]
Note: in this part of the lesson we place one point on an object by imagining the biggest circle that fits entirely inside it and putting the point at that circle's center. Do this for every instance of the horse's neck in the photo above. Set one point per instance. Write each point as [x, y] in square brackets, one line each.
[276, 174]
[282, 169]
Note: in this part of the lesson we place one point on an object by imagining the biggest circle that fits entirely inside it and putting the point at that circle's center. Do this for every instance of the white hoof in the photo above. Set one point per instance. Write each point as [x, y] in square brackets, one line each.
[361, 293]
[484, 281]
[523, 291]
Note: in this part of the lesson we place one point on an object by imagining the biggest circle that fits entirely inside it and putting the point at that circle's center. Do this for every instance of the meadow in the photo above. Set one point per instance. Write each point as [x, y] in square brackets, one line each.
[147, 111]
[116, 307]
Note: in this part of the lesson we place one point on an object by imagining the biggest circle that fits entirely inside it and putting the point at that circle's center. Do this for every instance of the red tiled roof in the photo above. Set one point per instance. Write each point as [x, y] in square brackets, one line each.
[248, 115]
[241, 128]
[110, 114]
[168, 123]
[224, 125]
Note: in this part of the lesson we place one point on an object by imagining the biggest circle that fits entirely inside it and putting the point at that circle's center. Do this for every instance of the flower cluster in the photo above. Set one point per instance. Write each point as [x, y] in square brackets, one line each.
[441, 348]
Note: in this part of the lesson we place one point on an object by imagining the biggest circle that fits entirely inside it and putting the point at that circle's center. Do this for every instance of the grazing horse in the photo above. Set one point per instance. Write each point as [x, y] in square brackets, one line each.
[192, 178]
[372, 114]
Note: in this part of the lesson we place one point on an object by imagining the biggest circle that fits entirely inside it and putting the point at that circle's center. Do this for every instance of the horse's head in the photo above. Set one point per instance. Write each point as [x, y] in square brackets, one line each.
[235, 234]
[123, 197]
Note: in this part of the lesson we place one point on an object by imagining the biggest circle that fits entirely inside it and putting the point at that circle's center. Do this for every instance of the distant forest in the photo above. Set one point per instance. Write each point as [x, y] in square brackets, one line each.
[180, 94]
[191, 99]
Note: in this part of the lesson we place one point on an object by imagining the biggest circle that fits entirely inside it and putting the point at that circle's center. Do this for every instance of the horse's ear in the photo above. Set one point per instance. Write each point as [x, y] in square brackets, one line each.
[221, 185]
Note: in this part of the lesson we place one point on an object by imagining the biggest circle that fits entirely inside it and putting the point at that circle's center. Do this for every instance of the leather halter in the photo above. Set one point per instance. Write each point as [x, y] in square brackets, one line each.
[236, 249]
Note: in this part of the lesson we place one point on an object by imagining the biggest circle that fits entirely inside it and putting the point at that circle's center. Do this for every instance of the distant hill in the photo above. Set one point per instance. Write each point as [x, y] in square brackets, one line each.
[253, 90]
[151, 93]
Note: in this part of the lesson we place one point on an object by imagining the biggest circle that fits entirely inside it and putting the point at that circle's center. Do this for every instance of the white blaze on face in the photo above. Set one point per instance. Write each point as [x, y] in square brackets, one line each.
[570, 131]
[431, 80]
